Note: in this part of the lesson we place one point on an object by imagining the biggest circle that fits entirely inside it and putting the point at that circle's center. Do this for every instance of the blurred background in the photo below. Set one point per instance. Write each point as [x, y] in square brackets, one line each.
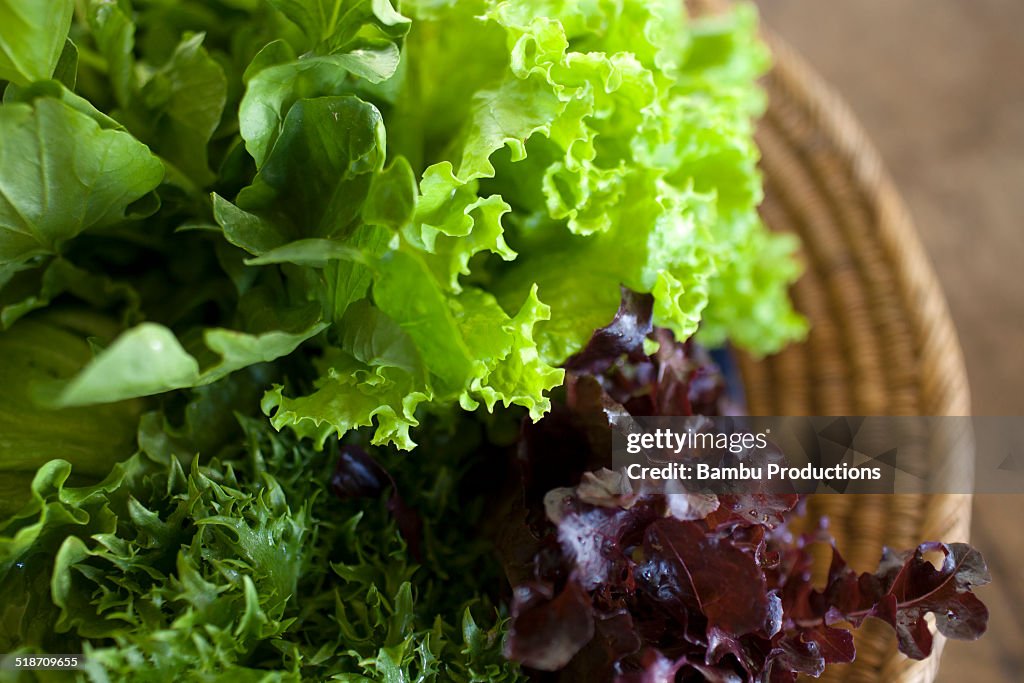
[939, 87]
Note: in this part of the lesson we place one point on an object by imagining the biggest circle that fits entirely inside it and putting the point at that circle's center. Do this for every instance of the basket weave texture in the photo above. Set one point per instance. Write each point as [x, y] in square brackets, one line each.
[881, 340]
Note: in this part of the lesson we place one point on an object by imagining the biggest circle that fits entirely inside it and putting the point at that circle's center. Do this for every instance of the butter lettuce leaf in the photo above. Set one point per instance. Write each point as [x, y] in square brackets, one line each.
[176, 106]
[184, 101]
[113, 31]
[83, 177]
[318, 174]
[37, 288]
[32, 36]
[277, 79]
[149, 359]
[335, 25]
[35, 351]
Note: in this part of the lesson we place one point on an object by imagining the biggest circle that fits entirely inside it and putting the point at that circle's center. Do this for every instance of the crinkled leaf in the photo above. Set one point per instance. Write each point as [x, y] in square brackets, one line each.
[405, 292]
[453, 224]
[380, 376]
[902, 591]
[476, 353]
[510, 369]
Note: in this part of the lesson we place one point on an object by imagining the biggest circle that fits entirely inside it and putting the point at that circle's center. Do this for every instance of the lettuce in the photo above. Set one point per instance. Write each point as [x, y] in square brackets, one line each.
[483, 224]
[583, 170]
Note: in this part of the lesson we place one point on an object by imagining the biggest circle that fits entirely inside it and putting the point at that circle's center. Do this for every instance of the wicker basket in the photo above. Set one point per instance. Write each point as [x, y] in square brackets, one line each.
[881, 341]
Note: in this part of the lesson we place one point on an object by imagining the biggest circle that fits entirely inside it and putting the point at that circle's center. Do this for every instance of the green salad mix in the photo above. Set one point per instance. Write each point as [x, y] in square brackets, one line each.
[235, 232]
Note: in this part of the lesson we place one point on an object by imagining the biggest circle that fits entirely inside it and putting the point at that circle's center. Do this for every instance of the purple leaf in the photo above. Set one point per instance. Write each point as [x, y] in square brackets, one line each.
[834, 644]
[594, 539]
[767, 509]
[656, 668]
[662, 589]
[605, 488]
[917, 588]
[624, 335]
[903, 589]
[689, 507]
[358, 475]
[615, 638]
[793, 655]
[547, 630]
[727, 583]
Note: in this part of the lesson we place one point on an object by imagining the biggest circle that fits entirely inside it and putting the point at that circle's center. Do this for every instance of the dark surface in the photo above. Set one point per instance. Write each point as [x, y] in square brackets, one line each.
[939, 86]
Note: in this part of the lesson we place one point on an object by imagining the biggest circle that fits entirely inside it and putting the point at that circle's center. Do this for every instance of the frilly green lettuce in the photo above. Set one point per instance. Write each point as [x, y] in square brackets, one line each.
[568, 158]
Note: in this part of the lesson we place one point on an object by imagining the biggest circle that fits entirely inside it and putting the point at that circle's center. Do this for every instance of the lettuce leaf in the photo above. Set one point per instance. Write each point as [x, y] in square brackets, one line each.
[335, 26]
[277, 79]
[314, 204]
[34, 35]
[148, 359]
[94, 438]
[83, 176]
